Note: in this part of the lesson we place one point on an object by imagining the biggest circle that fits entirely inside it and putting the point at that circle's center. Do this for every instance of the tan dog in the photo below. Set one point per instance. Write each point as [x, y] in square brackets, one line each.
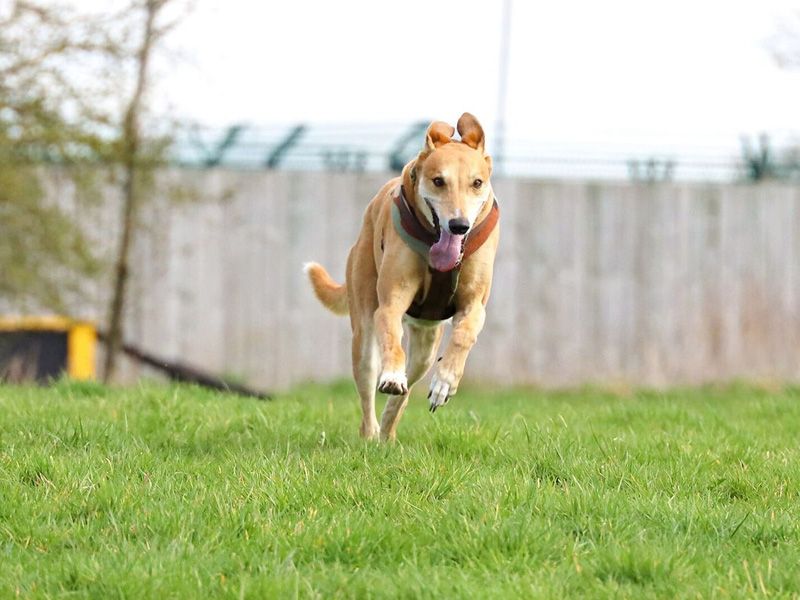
[427, 248]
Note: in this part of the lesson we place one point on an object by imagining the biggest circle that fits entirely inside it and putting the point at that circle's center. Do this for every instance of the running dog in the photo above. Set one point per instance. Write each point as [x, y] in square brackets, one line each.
[425, 254]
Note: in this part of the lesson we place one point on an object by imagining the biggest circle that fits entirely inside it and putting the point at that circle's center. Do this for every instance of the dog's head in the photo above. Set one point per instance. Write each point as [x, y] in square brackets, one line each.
[451, 184]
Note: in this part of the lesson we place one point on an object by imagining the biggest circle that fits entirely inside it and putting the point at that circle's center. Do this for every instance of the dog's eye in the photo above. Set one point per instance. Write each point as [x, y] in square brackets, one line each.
[477, 183]
[438, 181]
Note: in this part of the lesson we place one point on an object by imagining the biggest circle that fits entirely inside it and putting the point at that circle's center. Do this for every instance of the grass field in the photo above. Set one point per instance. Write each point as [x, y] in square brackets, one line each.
[177, 492]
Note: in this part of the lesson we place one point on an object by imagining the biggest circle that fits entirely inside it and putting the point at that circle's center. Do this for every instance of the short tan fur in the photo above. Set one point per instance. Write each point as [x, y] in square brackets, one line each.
[447, 183]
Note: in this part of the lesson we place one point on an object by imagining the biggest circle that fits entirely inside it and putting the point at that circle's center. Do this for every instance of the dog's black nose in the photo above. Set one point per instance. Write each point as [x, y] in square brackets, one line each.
[458, 226]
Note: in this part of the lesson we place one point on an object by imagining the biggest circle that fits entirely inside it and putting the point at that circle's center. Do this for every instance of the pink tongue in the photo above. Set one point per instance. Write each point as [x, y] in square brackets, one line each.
[445, 253]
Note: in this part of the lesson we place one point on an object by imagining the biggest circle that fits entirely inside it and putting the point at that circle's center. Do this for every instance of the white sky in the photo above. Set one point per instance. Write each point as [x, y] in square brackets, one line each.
[684, 73]
[578, 70]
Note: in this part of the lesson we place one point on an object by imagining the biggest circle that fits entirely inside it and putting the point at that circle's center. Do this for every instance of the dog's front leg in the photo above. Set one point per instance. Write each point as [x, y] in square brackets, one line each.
[393, 301]
[467, 324]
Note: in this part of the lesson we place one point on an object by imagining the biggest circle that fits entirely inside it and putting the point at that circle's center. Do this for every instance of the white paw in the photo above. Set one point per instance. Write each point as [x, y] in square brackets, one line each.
[370, 431]
[442, 387]
[393, 383]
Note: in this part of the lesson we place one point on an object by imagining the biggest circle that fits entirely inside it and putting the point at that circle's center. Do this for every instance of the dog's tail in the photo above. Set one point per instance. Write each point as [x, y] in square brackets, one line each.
[330, 293]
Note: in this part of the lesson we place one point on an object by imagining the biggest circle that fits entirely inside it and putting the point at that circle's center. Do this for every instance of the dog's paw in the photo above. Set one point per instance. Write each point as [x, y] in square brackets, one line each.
[442, 387]
[370, 430]
[393, 383]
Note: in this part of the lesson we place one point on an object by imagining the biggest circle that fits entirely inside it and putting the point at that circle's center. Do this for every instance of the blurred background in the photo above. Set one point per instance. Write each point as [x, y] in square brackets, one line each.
[166, 166]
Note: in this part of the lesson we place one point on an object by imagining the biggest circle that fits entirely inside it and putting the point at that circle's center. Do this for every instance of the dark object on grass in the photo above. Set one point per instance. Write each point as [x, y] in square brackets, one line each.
[45, 348]
[32, 356]
[180, 372]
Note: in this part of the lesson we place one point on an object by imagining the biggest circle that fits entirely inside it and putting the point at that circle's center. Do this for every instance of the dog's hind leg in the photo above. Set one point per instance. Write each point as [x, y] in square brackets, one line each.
[423, 341]
[362, 301]
[366, 363]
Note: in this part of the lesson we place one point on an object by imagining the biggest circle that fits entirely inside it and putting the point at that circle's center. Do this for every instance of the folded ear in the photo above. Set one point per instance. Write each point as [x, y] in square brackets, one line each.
[471, 132]
[439, 133]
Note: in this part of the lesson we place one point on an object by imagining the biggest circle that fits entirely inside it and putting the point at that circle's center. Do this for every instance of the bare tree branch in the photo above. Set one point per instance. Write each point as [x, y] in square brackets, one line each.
[131, 142]
[785, 44]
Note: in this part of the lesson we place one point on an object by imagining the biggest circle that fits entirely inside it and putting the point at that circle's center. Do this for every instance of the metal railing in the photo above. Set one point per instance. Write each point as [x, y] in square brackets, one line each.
[387, 147]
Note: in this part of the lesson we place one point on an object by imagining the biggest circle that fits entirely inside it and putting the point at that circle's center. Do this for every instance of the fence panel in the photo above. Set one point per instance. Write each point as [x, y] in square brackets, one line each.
[650, 284]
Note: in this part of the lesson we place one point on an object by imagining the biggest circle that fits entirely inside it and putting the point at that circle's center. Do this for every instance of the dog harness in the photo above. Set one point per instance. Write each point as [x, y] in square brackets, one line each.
[438, 303]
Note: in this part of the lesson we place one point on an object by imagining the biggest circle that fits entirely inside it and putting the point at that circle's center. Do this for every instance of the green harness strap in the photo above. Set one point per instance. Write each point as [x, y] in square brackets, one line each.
[416, 245]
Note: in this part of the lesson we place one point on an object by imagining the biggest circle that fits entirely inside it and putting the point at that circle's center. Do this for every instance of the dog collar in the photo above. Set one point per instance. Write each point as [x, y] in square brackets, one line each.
[417, 237]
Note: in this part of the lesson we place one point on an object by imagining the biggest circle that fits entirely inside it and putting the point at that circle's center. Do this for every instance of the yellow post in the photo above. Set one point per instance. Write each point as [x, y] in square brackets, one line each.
[81, 346]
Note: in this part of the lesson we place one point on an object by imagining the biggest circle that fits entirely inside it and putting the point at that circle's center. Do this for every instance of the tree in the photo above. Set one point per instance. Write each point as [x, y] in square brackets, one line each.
[785, 48]
[61, 76]
[134, 160]
[785, 43]
[43, 118]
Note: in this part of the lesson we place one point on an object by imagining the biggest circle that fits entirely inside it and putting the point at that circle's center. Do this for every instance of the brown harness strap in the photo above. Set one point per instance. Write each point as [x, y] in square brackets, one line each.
[478, 236]
[411, 226]
[408, 225]
[438, 303]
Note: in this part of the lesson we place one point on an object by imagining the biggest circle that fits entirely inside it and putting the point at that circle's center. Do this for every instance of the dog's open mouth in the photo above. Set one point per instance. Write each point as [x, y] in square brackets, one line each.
[445, 253]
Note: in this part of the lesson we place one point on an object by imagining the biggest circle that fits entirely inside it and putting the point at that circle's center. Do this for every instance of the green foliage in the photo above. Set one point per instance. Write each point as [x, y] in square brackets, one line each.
[46, 118]
[178, 492]
[44, 254]
[763, 163]
[62, 74]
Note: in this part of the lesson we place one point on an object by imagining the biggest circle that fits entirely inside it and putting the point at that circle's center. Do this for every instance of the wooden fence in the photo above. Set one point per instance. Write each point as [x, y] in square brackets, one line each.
[595, 282]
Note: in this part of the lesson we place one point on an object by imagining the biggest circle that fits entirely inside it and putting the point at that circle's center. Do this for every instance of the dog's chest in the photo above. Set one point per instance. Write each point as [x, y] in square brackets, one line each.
[436, 299]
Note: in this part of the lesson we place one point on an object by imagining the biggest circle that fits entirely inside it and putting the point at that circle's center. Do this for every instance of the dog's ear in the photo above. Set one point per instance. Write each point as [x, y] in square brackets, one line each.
[471, 132]
[439, 133]
[410, 171]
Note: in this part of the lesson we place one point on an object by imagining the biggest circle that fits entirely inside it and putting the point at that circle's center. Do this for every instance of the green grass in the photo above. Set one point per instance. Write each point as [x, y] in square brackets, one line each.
[180, 493]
